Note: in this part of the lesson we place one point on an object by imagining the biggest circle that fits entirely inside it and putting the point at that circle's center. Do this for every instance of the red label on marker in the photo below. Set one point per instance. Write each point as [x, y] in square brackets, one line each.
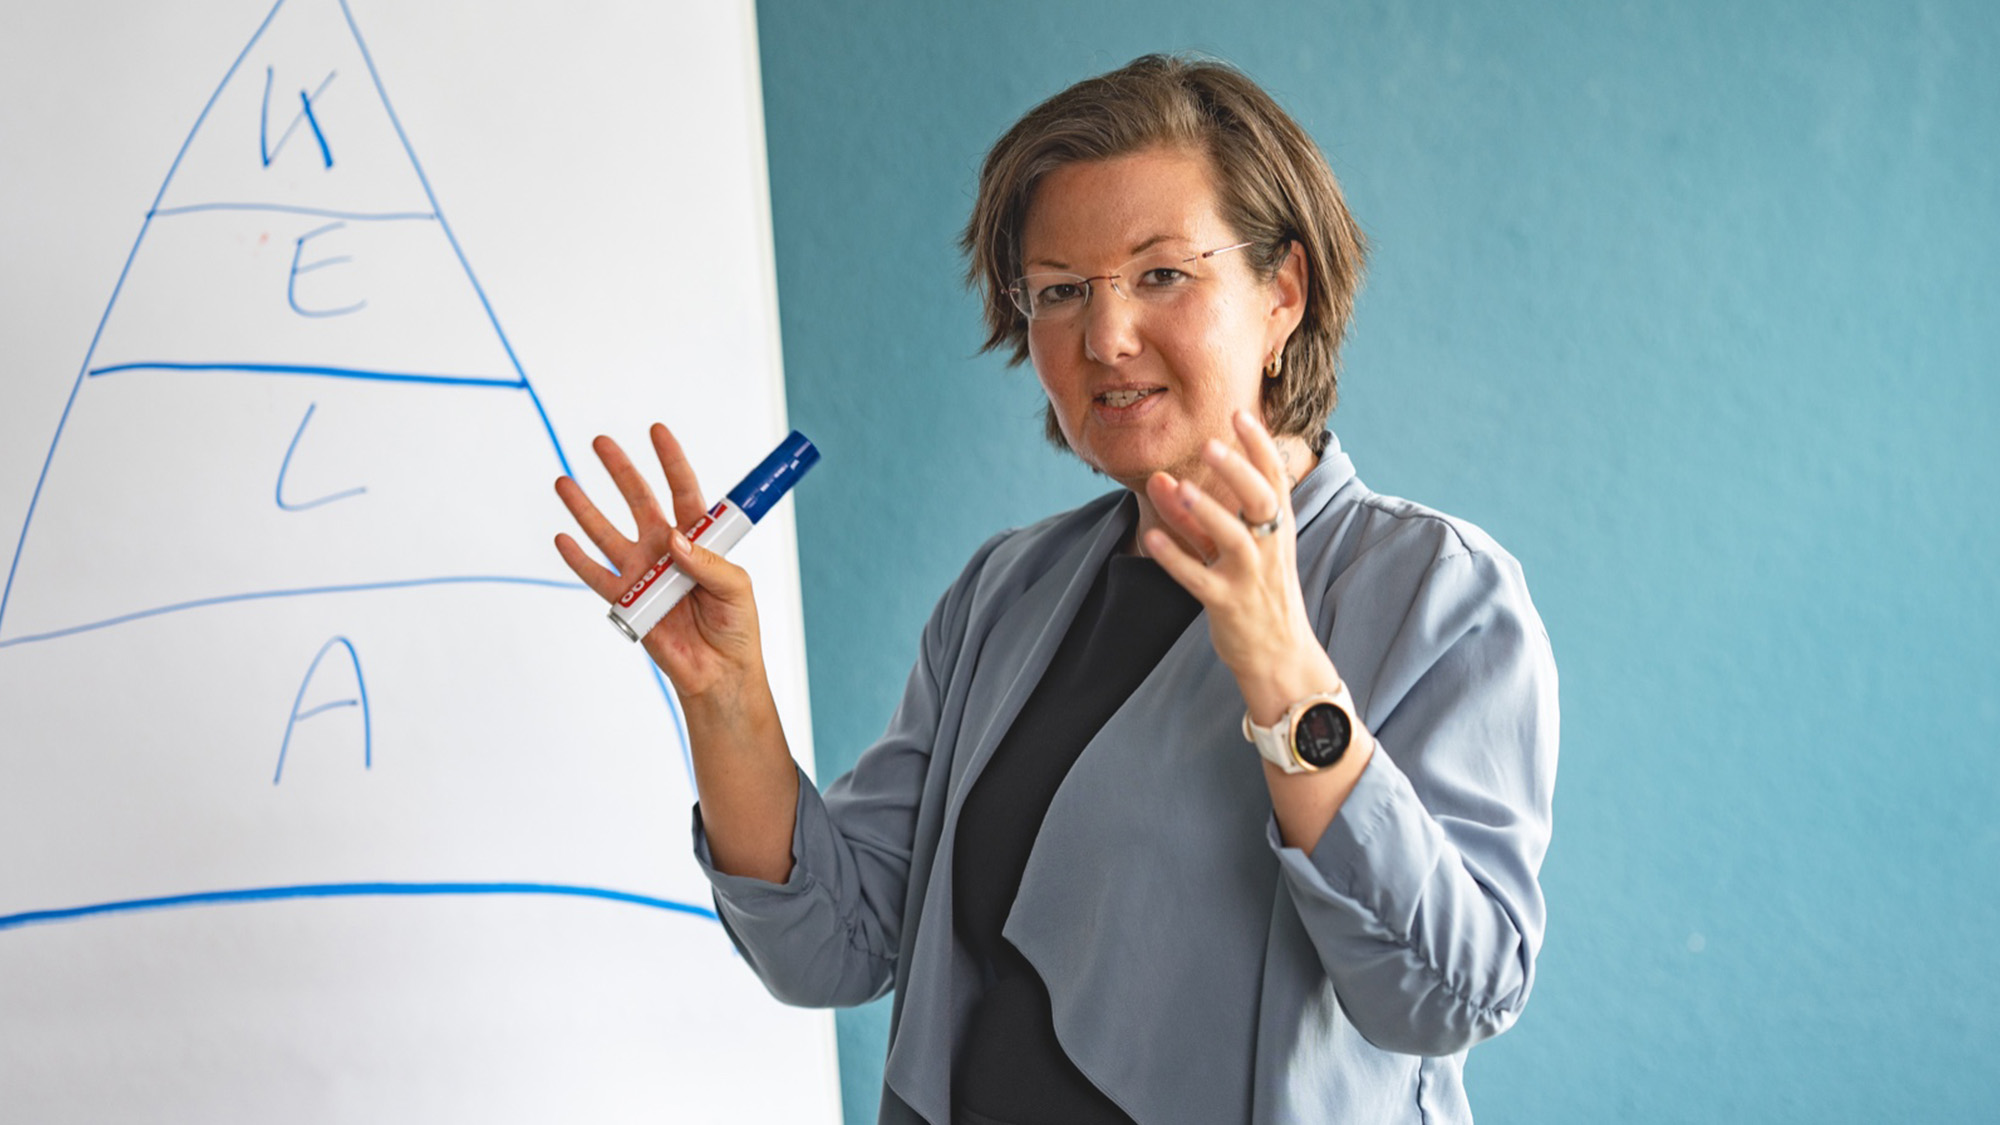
[645, 580]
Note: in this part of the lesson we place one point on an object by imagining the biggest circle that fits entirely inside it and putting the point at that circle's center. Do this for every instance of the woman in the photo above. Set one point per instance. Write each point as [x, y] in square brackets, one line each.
[1092, 897]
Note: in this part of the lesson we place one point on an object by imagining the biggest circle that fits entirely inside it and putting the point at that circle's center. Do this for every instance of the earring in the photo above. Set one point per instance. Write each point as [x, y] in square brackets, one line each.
[1276, 365]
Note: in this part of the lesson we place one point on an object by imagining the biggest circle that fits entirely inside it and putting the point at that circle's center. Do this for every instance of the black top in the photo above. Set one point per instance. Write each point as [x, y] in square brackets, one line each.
[1011, 1070]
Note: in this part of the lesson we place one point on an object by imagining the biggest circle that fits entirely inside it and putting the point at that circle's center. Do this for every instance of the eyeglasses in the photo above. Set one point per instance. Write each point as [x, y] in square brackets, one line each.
[1159, 278]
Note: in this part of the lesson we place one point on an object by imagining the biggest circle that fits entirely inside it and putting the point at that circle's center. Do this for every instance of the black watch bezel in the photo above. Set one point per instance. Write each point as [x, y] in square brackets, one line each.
[1321, 735]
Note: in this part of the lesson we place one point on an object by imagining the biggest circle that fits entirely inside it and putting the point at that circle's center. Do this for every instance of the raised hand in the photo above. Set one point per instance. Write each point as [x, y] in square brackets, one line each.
[710, 641]
[1238, 555]
[708, 645]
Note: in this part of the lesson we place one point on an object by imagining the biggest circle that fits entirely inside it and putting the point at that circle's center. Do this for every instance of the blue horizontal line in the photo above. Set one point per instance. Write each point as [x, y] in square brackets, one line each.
[302, 591]
[346, 890]
[324, 707]
[308, 369]
[356, 216]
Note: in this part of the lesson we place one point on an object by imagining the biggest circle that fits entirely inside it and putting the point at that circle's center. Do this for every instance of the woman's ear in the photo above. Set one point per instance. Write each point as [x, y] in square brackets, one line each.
[1289, 289]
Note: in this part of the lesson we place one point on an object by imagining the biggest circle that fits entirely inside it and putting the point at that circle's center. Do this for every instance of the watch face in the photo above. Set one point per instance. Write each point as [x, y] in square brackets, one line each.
[1322, 735]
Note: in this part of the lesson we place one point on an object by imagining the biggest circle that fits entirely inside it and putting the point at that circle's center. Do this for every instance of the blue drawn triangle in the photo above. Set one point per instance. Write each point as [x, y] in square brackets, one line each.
[297, 388]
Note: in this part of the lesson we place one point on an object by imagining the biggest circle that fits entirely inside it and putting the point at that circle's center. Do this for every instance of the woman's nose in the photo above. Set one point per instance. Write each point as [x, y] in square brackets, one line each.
[1110, 324]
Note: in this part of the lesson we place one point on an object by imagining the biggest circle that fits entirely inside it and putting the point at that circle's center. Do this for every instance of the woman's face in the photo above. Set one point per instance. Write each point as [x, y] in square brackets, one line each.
[1139, 385]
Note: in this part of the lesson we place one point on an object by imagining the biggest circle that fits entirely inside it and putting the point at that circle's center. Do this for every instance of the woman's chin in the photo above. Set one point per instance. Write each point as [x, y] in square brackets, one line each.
[1131, 458]
[1131, 476]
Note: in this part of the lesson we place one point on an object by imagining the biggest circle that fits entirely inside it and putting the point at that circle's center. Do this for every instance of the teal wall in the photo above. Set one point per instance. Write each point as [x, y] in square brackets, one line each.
[1696, 307]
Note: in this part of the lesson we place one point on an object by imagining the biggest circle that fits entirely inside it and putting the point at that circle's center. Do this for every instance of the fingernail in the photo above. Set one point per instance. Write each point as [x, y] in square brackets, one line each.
[680, 541]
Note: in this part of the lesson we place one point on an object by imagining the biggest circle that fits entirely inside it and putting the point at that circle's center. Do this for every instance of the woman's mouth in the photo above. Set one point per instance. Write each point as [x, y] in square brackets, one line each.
[1118, 400]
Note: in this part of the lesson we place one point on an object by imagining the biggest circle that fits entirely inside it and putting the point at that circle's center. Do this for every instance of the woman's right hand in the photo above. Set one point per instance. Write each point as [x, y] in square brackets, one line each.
[707, 644]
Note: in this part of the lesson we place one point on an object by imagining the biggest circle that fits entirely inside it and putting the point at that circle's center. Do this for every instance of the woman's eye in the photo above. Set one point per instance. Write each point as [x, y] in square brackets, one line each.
[1161, 277]
[1061, 293]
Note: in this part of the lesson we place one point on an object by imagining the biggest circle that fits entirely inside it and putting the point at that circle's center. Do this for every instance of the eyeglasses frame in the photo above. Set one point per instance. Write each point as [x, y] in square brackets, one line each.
[1015, 291]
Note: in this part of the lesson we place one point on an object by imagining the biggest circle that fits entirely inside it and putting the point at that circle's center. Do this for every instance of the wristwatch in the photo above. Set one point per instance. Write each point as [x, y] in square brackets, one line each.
[1310, 737]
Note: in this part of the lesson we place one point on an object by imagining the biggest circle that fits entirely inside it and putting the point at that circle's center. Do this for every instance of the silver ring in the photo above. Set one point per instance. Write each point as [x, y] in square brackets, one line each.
[1261, 530]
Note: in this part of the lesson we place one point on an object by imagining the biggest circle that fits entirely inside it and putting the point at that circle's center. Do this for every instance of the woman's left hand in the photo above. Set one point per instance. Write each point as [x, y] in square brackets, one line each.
[1249, 578]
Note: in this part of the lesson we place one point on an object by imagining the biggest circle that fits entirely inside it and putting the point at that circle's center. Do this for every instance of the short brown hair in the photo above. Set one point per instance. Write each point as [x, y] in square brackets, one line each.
[1275, 189]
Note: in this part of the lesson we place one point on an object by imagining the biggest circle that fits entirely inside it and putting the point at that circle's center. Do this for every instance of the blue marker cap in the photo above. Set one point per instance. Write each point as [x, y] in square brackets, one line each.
[775, 476]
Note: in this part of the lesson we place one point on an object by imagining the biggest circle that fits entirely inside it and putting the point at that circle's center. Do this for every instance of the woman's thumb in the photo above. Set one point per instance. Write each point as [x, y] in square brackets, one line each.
[709, 570]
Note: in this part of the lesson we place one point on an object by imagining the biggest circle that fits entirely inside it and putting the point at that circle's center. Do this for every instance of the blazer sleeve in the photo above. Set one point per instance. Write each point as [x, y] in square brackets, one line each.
[828, 935]
[1422, 897]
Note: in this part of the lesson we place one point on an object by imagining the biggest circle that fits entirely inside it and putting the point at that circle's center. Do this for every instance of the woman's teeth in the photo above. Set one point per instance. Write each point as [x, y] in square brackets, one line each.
[1123, 398]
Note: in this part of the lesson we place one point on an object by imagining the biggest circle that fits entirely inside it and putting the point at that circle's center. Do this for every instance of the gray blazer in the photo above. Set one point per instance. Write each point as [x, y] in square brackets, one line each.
[1201, 971]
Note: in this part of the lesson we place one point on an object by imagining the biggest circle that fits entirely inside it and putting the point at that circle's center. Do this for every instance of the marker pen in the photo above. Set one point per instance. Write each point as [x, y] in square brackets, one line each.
[663, 585]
